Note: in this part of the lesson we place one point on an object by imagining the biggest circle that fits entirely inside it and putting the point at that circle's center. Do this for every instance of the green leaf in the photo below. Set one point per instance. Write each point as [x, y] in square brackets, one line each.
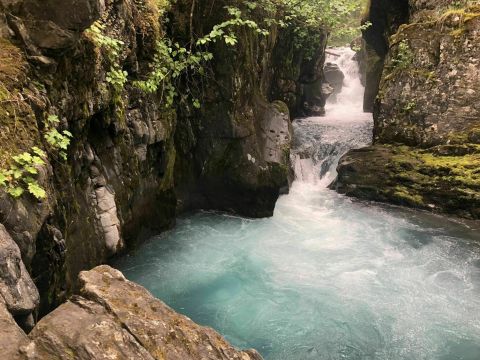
[36, 150]
[3, 179]
[36, 190]
[15, 192]
[53, 119]
[38, 161]
[30, 169]
[67, 133]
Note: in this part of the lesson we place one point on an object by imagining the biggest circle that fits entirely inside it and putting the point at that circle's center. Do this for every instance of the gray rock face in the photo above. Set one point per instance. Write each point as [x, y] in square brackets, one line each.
[114, 318]
[334, 76]
[107, 212]
[118, 178]
[131, 164]
[277, 133]
[16, 287]
[12, 337]
[385, 17]
[432, 97]
[54, 24]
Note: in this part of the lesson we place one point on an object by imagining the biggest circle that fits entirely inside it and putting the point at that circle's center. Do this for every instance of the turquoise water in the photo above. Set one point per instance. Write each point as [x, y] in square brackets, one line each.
[327, 277]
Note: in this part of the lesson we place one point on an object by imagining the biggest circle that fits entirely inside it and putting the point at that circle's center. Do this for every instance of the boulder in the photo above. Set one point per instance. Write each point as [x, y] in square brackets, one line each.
[438, 179]
[53, 24]
[117, 319]
[12, 336]
[424, 76]
[334, 77]
[315, 97]
[16, 287]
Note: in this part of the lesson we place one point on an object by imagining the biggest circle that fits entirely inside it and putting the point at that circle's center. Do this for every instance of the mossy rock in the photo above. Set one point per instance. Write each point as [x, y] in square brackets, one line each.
[441, 179]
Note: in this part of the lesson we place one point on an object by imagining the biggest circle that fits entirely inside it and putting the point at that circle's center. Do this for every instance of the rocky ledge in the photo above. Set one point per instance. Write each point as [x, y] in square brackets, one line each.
[113, 318]
[441, 179]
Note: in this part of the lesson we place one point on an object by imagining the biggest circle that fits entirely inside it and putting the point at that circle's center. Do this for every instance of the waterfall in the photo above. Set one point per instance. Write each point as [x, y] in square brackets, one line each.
[319, 142]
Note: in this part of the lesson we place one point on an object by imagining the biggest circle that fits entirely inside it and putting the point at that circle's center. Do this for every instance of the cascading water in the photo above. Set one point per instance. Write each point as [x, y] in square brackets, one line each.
[326, 277]
[320, 141]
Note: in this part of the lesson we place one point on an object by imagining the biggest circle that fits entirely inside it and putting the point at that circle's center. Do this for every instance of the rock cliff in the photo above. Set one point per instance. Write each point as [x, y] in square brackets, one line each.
[426, 150]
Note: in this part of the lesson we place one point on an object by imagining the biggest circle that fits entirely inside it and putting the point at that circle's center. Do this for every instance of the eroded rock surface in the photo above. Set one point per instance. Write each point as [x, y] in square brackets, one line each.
[335, 78]
[134, 162]
[16, 287]
[12, 337]
[113, 318]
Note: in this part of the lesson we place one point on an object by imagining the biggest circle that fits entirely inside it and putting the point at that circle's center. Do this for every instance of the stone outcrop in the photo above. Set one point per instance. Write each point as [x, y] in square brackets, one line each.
[118, 179]
[12, 336]
[52, 25]
[298, 79]
[334, 76]
[17, 290]
[426, 149]
[115, 318]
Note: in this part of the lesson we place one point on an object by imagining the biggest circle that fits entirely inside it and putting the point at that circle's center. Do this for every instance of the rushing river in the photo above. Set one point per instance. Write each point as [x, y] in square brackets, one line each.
[327, 277]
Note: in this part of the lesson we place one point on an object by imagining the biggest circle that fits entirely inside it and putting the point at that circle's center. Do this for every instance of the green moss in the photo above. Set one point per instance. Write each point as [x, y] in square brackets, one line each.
[19, 131]
[406, 196]
[460, 170]
[459, 167]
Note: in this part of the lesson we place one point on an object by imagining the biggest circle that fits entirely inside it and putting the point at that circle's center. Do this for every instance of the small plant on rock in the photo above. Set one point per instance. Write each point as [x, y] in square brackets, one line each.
[404, 57]
[21, 175]
[116, 76]
[57, 140]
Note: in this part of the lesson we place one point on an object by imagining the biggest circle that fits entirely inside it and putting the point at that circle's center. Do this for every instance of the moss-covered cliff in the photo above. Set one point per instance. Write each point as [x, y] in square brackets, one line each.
[426, 150]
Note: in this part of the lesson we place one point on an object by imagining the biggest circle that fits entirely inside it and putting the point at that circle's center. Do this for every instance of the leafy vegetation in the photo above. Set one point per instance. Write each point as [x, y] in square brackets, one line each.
[404, 57]
[116, 76]
[307, 18]
[21, 174]
[57, 140]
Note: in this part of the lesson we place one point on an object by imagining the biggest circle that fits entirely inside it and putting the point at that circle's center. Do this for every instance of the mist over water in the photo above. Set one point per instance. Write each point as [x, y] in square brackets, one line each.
[327, 277]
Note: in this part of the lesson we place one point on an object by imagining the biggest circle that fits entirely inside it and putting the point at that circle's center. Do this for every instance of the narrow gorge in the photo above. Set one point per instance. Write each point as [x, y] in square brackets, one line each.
[301, 179]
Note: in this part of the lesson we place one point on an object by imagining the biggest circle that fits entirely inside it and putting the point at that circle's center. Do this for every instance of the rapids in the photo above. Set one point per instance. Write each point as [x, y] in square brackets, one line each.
[327, 277]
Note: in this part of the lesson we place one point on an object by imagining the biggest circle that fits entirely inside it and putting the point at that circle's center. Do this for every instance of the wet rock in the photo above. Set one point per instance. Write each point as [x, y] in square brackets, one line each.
[131, 165]
[119, 318]
[107, 212]
[426, 112]
[385, 16]
[437, 179]
[334, 76]
[16, 287]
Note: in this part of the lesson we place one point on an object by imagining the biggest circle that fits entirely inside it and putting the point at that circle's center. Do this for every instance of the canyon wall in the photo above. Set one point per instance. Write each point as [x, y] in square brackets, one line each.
[133, 163]
[426, 150]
